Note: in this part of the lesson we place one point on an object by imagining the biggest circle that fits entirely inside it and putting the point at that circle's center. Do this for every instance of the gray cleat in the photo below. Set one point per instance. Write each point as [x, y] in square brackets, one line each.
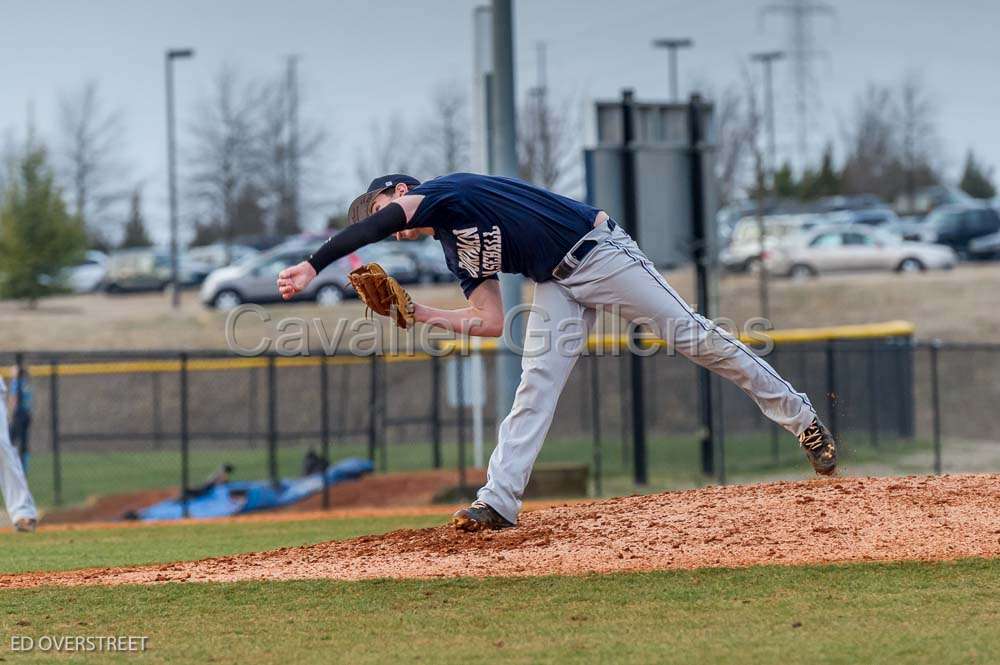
[820, 448]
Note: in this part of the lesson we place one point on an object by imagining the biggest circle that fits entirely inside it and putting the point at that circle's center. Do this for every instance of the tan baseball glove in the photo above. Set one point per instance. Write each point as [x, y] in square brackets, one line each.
[382, 294]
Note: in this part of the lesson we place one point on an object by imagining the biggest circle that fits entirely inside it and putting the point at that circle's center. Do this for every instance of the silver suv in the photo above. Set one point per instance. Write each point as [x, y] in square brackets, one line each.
[254, 279]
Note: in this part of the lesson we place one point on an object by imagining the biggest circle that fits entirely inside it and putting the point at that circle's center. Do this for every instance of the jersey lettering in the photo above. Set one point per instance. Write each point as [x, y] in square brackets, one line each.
[479, 252]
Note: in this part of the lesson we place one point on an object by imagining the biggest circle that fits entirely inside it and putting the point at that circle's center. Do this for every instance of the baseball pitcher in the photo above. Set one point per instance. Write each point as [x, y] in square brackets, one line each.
[581, 261]
[16, 496]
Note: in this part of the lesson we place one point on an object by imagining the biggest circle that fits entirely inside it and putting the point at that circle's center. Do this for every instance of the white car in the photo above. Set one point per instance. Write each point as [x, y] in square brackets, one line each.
[741, 255]
[854, 248]
[87, 275]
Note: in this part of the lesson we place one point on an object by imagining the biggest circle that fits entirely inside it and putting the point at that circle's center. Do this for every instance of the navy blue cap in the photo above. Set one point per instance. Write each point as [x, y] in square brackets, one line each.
[361, 206]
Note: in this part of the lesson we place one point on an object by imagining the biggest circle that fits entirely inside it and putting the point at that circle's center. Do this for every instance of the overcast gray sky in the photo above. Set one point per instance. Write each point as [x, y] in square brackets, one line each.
[365, 60]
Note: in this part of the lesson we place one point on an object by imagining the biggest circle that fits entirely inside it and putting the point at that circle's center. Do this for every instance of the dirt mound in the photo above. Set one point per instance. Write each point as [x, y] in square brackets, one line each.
[415, 488]
[818, 521]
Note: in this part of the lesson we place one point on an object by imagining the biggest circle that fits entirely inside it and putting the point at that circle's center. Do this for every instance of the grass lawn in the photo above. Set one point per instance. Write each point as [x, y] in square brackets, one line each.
[901, 613]
[674, 463]
[891, 613]
[85, 548]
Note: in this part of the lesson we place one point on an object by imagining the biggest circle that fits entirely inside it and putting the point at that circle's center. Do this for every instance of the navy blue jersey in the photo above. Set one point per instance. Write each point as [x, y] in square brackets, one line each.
[489, 224]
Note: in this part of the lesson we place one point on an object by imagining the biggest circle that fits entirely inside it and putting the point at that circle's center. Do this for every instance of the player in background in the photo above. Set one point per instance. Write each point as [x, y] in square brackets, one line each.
[14, 486]
[19, 404]
[580, 260]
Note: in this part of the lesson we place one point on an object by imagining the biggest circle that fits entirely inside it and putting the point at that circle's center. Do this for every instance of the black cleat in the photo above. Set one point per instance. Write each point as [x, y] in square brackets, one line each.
[479, 517]
[820, 448]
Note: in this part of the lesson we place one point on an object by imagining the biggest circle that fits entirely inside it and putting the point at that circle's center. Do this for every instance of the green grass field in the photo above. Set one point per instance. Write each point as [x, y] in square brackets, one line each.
[885, 613]
[674, 463]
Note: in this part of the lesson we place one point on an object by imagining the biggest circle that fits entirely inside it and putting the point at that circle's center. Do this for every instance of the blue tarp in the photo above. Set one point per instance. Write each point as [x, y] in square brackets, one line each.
[244, 497]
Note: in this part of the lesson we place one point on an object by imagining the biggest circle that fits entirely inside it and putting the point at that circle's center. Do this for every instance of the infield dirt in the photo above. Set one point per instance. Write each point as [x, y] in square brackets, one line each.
[805, 522]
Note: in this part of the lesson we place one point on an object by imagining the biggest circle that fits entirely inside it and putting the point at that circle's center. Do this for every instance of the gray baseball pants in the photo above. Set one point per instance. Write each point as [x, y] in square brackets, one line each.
[615, 272]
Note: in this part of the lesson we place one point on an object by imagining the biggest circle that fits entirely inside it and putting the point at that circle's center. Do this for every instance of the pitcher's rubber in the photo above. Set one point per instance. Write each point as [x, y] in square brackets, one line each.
[805, 522]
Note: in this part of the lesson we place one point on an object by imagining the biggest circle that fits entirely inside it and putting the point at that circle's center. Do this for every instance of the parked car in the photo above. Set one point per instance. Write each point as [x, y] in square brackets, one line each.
[873, 217]
[985, 247]
[201, 261]
[143, 269]
[743, 251]
[958, 225]
[854, 248]
[395, 261]
[429, 257]
[254, 280]
[88, 275]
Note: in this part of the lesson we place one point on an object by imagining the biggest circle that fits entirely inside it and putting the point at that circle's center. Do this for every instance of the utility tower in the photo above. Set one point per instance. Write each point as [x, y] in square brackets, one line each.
[802, 52]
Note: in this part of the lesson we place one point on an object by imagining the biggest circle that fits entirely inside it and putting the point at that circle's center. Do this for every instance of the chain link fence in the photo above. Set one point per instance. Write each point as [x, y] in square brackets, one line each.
[118, 423]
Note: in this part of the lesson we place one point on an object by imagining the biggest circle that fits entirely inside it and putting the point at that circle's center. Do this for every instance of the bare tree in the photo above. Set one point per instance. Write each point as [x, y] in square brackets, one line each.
[549, 142]
[444, 137]
[870, 143]
[389, 149]
[223, 155]
[290, 152]
[738, 131]
[918, 140]
[89, 162]
[890, 141]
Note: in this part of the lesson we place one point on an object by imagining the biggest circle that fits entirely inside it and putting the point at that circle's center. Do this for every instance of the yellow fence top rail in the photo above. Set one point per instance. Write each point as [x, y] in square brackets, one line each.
[790, 336]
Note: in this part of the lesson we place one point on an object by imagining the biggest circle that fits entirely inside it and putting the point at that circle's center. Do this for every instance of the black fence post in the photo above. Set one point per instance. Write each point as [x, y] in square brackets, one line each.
[595, 424]
[936, 405]
[157, 415]
[719, 430]
[372, 415]
[873, 400]
[831, 390]
[272, 419]
[381, 421]
[324, 419]
[185, 443]
[54, 414]
[460, 390]
[253, 399]
[436, 411]
[623, 397]
[775, 443]
[640, 470]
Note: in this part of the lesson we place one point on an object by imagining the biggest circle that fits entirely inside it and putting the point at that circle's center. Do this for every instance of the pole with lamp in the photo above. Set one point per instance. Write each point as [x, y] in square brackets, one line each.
[170, 56]
[672, 46]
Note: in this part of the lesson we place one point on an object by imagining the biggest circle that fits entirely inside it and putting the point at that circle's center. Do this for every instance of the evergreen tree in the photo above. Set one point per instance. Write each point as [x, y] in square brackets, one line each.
[135, 227]
[38, 238]
[784, 182]
[825, 182]
[977, 180]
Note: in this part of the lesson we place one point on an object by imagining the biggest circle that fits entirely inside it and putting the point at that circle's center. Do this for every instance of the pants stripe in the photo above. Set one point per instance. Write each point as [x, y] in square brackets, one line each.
[659, 280]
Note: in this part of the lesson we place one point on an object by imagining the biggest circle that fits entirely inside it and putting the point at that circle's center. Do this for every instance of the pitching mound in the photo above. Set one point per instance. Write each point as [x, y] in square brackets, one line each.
[819, 521]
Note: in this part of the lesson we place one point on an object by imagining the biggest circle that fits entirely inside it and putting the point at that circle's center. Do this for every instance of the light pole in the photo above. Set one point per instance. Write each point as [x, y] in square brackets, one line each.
[171, 55]
[767, 59]
[503, 123]
[672, 46]
[765, 175]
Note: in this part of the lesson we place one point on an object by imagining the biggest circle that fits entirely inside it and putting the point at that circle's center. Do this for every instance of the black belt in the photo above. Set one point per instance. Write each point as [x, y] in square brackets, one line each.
[572, 260]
